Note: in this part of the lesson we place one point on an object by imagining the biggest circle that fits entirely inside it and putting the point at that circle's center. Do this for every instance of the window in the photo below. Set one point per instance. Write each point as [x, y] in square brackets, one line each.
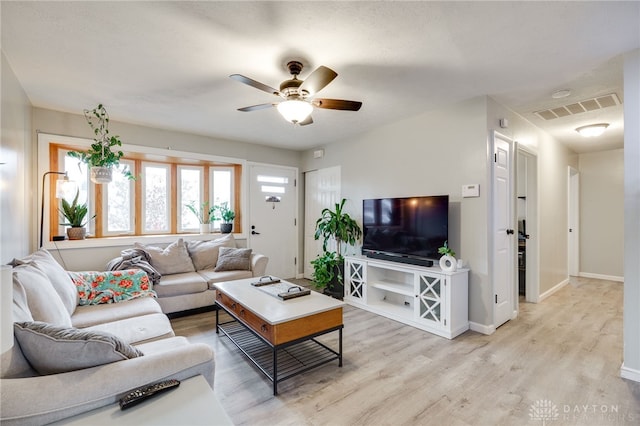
[119, 204]
[154, 203]
[191, 192]
[156, 206]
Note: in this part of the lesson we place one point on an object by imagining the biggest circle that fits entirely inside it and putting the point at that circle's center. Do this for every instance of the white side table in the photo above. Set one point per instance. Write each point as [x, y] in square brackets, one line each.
[192, 403]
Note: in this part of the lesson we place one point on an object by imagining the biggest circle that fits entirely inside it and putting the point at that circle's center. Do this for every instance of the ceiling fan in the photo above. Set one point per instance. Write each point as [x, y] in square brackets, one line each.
[298, 94]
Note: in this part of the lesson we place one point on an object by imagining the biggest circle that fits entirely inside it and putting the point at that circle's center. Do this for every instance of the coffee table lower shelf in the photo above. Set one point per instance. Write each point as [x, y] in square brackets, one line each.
[283, 361]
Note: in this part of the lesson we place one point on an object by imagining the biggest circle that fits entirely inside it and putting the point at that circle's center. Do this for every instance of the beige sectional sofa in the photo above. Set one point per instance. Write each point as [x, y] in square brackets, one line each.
[188, 270]
[67, 359]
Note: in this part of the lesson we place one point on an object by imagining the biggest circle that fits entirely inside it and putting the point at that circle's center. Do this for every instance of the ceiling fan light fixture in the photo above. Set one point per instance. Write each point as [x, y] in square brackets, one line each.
[592, 130]
[295, 111]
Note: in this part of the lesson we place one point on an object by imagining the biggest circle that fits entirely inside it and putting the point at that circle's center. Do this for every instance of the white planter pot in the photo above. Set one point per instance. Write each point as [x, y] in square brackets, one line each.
[101, 174]
[205, 228]
[448, 263]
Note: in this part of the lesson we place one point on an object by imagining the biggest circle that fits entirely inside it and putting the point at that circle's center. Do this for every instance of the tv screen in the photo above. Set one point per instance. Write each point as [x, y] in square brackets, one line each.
[411, 227]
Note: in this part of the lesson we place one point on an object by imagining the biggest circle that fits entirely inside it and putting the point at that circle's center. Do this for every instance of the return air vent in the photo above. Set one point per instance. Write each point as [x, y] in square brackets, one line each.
[592, 104]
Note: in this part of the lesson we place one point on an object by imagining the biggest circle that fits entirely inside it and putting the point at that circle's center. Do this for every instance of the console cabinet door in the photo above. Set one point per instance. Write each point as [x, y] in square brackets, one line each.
[431, 303]
[355, 280]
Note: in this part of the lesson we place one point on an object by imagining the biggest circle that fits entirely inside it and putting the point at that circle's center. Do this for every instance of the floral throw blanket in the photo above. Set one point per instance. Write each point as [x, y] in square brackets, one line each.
[112, 286]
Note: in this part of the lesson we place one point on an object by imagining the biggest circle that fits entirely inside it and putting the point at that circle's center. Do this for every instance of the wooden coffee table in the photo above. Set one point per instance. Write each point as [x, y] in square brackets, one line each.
[279, 336]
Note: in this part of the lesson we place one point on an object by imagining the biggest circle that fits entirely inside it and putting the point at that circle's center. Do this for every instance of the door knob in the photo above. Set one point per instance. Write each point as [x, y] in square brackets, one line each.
[255, 233]
[510, 231]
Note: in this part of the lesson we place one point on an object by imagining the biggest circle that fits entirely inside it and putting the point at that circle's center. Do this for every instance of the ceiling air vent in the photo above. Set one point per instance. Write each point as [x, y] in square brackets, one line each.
[592, 104]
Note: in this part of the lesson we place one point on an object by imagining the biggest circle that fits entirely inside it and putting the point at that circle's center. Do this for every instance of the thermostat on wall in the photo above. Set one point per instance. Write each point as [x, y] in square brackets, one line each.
[472, 190]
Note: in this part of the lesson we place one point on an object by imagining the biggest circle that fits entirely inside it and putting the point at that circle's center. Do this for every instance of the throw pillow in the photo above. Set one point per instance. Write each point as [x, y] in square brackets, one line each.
[42, 299]
[51, 349]
[58, 277]
[204, 254]
[171, 260]
[95, 288]
[234, 259]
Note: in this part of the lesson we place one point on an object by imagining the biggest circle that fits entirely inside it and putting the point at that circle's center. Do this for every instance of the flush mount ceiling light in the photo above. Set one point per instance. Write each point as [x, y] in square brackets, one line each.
[559, 94]
[592, 130]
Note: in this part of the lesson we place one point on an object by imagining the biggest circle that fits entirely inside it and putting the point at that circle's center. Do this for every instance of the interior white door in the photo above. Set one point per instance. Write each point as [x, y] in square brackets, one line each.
[273, 218]
[503, 233]
[574, 223]
[321, 190]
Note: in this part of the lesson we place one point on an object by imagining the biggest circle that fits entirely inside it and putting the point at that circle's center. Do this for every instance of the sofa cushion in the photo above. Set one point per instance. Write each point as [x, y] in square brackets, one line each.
[234, 259]
[174, 259]
[90, 315]
[112, 286]
[177, 284]
[216, 277]
[204, 254]
[43, 301]
[143, 328]
[51, 349]
[59, 278]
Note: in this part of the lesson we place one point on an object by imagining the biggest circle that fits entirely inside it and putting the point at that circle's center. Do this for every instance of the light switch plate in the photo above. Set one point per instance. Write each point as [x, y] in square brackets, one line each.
[472, 190]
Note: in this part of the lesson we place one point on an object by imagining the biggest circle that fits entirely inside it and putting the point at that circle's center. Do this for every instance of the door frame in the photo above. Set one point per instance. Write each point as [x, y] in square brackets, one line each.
[532, 259]
[573, 220]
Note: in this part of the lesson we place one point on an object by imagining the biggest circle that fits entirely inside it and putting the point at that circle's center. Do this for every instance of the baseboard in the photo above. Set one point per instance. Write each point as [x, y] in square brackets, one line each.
[481, 328]
[601, 277]
[629, 373]
[553, 289]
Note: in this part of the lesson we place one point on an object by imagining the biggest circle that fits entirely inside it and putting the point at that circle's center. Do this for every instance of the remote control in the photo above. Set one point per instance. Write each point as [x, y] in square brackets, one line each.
[136, 396]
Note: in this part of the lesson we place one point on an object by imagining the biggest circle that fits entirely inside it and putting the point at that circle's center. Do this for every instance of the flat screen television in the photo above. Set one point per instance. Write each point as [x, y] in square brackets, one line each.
[407, 230]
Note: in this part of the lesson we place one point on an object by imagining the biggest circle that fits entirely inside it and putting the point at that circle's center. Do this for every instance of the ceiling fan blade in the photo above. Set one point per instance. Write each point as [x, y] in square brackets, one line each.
[337, 104]
[318, 79]
[256, 107]
[306, 121]
[251, 82]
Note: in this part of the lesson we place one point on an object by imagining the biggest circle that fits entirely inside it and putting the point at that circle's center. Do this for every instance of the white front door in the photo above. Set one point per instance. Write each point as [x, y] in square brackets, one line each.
[504, 234]
[273, 219]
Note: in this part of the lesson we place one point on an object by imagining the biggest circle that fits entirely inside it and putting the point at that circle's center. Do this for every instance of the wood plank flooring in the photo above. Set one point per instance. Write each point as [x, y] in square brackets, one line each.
[565, 352]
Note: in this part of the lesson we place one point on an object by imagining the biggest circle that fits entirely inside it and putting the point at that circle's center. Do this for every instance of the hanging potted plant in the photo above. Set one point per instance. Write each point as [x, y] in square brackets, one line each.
[226, 216]
[328, 268]
[101, 156]
[204, 214]
[75, 214]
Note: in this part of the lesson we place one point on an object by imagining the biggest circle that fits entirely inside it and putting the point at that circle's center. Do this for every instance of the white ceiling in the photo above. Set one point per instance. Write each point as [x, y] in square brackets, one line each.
[166, 64]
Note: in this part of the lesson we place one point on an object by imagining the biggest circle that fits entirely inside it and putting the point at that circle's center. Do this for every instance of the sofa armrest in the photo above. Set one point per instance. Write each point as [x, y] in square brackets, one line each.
[45, 399]
[258, 264]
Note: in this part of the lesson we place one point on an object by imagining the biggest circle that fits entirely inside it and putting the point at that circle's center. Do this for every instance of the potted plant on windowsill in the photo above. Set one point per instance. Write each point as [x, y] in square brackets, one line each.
[204, 213]
[75, 214]
[227, 216]
[101, 157]
[328, 268]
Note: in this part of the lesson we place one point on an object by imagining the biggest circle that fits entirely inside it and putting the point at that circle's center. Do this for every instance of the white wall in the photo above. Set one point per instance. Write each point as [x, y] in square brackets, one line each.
[433, 153]
[553, 159]
[602, 214]
[631, 319]
[17, 223]
[66, 124]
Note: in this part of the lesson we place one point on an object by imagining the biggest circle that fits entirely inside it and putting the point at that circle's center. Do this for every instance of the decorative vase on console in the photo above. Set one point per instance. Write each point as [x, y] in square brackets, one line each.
[448, 262]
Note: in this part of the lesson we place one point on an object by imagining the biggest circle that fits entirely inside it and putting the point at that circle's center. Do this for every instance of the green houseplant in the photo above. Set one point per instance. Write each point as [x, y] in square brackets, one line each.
[75, 214]
[102, 156]
[328, 268]
[226, 216]
[205, 215]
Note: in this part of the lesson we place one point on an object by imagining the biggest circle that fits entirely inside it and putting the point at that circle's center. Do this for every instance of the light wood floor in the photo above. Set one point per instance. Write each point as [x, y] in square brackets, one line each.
[566, 351]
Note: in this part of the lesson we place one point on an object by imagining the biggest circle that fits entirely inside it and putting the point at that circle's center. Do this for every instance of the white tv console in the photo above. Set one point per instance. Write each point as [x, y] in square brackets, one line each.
[427, 298]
